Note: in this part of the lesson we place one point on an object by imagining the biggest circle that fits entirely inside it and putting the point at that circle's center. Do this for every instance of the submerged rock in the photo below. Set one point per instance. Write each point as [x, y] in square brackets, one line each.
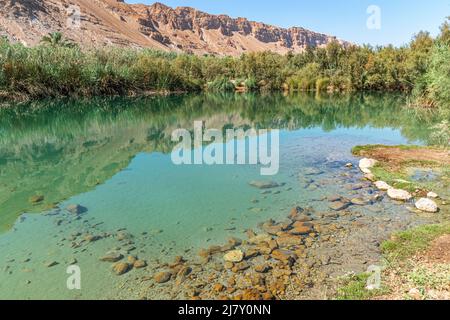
[427, 205]
[398, 194]
[75, 209]
[234, 256]
[339, 205]
[301, 228]
[162, 277]
[359, 201]
[51, 264]
[138, 264]
[121, 268]
[312, 171]
[264, 184]
[112, 256]
[36, 199]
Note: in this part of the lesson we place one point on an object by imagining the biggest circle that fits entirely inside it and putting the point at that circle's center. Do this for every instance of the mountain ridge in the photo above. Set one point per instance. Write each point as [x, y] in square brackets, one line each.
[158, 26]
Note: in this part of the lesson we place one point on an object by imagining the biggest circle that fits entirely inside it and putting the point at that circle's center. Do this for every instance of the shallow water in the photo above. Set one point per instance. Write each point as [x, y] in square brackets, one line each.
[112, 157]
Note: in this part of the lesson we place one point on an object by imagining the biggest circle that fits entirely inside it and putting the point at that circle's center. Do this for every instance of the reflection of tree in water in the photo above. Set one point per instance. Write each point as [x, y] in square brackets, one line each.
[62, 148]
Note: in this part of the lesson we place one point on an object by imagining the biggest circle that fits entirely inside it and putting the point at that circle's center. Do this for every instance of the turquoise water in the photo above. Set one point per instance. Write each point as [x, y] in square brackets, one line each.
[112, 157]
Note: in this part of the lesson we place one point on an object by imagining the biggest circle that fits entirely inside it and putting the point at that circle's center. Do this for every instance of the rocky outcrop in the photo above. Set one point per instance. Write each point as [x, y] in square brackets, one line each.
[105, 22]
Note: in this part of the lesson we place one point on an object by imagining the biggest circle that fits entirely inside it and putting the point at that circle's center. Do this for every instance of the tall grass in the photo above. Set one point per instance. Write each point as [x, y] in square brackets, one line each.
[54, 71]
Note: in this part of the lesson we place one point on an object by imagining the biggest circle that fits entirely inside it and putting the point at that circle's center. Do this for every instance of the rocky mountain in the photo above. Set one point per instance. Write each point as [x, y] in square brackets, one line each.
[114, 22]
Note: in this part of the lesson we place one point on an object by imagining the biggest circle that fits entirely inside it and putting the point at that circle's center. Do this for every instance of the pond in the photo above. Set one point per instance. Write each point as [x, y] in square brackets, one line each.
[112, 157]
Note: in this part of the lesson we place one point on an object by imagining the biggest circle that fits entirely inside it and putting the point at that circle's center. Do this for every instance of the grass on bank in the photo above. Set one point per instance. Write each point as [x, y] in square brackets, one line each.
[354, 288]
[402, 246]
[405, 244]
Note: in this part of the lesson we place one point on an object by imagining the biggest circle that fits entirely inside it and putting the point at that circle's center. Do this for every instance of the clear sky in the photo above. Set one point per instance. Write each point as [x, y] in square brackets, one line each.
[346, 19]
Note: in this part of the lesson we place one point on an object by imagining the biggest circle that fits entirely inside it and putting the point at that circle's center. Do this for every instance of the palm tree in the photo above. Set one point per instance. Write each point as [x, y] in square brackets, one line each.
[56, 39]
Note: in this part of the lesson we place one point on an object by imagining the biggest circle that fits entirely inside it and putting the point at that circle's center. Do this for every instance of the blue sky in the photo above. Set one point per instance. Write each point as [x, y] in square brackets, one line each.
[346, 19]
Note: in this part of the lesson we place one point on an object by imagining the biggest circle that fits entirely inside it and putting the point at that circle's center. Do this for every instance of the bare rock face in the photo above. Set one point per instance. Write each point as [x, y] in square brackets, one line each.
[113, 22]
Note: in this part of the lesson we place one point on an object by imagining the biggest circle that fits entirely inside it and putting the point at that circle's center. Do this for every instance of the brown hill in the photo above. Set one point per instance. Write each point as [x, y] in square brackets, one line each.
[106, 22]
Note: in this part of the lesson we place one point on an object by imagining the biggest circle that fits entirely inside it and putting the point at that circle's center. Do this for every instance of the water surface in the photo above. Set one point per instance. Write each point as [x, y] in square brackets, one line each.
[112, 156]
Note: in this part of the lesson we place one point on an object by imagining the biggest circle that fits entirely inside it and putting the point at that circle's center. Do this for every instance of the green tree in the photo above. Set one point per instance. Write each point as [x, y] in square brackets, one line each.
[56, 39]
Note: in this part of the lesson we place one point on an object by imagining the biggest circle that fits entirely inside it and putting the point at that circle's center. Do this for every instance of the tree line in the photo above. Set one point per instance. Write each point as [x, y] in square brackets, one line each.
[57, 67]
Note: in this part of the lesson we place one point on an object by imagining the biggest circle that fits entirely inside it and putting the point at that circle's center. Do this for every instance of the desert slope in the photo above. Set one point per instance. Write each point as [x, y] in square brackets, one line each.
[183, 29]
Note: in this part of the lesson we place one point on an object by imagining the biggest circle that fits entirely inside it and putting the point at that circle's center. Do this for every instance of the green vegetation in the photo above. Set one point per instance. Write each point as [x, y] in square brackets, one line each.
[56, 39]
[354, 288]
[58, 68]
[405, 244]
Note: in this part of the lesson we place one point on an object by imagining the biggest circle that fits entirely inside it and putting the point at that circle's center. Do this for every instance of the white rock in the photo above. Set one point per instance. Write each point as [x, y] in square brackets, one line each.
[415, 294]
[432, 195]
[234, 256]
[398, 194]
[367, 163]
[370, 177]
[427, 205]
[366, 171]
[381, 185]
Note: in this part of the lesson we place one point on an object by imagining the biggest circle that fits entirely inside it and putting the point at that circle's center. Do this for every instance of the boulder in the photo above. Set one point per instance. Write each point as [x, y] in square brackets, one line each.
[398, 194]
[367, 163]
[427, 205]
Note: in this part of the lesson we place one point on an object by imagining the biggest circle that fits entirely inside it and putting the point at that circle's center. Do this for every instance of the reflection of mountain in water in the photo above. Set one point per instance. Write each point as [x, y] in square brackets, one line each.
[59, 149]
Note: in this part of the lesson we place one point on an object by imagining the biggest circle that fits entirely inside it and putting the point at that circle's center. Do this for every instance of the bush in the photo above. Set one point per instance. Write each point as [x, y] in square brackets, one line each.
[221, 85]
[251, 84]
[322, 84]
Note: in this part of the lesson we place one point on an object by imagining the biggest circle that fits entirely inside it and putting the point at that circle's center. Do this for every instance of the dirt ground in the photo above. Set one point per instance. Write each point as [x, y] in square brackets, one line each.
[395, 156]
[426, 276]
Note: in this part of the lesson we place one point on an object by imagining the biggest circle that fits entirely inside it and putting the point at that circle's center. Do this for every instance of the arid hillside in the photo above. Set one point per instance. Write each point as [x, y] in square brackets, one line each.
[183, 29]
